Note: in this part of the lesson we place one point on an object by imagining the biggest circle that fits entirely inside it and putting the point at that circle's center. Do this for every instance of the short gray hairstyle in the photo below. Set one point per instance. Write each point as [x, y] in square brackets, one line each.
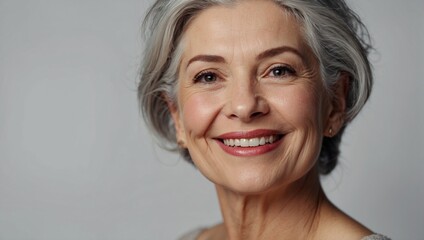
[336, 35]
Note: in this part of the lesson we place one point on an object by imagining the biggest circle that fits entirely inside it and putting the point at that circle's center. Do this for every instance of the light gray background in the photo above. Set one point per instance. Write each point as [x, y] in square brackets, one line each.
[76, 162]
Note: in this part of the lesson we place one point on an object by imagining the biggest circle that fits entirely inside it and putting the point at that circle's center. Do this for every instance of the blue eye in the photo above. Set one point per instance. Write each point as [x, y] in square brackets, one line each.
[206, 77]
[281, 71]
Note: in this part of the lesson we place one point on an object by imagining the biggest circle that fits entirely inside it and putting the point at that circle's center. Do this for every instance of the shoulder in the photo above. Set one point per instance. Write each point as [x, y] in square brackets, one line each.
[192, 235]
[215, 232]
[335, 224]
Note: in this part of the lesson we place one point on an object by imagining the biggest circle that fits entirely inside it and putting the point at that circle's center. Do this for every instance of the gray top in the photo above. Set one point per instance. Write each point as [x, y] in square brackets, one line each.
[376, 237]
[193, 235]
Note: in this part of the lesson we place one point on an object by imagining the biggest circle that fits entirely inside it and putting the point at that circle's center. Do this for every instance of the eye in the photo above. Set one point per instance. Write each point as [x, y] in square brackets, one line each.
[207, 77]
[281, 71]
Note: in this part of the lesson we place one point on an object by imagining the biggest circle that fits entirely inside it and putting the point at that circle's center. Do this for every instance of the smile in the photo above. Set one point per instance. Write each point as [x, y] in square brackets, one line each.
[251, 142]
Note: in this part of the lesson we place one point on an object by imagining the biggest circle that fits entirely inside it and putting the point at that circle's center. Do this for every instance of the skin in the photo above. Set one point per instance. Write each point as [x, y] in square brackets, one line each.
[261, 76]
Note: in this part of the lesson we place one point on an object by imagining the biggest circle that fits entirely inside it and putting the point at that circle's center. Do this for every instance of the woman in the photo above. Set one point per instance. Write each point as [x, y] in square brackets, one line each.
[257, 94]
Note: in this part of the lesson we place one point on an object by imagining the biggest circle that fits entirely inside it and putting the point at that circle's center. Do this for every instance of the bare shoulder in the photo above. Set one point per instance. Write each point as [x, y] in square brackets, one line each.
[215, 232]
[336, 224]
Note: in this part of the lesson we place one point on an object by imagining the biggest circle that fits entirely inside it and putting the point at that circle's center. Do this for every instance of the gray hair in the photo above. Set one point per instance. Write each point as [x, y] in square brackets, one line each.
[336, 35]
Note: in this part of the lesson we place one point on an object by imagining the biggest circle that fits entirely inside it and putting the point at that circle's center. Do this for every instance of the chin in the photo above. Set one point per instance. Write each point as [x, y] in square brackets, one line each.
[251, 183]
[257, 181]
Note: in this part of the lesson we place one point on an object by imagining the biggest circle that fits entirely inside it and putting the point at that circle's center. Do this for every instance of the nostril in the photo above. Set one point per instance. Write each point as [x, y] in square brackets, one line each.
[255, 114]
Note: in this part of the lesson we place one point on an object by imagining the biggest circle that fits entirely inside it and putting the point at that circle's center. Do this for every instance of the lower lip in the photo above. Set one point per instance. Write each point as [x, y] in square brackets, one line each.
[249, 151]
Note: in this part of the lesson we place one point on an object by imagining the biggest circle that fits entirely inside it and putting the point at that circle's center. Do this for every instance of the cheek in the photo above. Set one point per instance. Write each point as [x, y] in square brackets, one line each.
[298, 106]
[199, 112]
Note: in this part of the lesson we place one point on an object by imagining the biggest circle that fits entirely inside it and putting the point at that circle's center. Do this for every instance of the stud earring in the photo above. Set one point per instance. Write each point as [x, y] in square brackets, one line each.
[330, 132]
[181, 144]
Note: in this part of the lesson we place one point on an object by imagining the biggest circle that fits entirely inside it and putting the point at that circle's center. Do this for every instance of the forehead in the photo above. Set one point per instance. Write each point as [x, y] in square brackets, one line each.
[247, 27]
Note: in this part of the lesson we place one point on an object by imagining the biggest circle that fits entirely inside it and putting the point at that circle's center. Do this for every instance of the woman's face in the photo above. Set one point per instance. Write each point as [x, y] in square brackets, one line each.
[251, 107]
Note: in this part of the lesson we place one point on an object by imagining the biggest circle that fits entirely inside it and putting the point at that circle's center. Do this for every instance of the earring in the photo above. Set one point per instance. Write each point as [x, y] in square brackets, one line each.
[181, 144]
[330, 132]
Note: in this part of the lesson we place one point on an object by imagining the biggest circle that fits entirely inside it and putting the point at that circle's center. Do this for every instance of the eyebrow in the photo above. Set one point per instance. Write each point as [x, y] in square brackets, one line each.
[266, 54]
[277, 51]
[206, 58]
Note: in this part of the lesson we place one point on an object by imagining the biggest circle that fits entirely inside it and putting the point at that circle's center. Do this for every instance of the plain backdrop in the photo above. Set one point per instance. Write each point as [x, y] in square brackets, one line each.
[76, 161]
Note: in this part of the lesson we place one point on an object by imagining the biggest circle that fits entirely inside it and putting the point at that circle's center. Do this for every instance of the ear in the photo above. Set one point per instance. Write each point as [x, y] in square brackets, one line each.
[176, 118]
[337, 110]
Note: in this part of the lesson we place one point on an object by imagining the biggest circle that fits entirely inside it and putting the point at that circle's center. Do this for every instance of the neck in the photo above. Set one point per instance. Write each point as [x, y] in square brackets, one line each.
[291, 211]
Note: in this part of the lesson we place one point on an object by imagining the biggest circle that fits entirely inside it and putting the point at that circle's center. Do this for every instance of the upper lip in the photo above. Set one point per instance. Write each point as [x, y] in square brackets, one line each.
[249, 134]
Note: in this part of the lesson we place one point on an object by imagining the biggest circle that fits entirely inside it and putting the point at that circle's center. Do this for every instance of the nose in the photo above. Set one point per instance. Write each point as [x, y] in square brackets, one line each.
[245, 102]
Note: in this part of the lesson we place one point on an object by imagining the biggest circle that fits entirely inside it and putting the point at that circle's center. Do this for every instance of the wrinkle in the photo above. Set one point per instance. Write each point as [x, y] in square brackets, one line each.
[253, 215]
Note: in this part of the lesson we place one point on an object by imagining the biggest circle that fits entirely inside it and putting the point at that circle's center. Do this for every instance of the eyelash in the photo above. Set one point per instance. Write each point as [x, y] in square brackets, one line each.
[200, 77]
[286, 71]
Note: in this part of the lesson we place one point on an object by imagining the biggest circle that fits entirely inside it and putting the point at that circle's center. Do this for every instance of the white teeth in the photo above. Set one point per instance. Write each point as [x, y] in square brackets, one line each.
[250, 142]
[244, 142]
[253, 142]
